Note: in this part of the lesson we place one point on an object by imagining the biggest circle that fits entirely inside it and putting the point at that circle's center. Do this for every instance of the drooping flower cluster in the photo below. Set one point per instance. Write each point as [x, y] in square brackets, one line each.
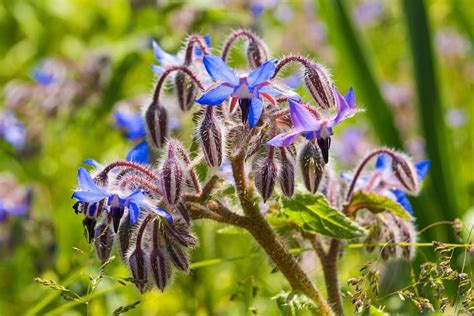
[147, 207]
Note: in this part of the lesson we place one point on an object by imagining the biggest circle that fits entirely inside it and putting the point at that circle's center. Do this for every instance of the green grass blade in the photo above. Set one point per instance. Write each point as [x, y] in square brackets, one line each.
[352, 55]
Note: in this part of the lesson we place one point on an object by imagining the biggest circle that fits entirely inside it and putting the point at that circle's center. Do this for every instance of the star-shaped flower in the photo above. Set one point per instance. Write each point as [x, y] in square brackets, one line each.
[248, 90]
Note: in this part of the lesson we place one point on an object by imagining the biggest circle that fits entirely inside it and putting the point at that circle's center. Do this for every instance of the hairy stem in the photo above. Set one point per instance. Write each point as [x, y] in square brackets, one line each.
[329, 264]
[268, 239]
[166, 73]
[194, 39]
[242, 33]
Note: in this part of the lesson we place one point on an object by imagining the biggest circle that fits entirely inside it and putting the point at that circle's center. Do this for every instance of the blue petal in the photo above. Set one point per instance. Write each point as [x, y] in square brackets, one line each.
[216, 96]
[422, 168]
[303, 120]
[163, 57]
[133, 212]
[198, 50]
[382, 162]
[402, 199]
[42, 77]
[139, 153]
[261, 74]
[157, 69]
[132, 122]
[163, 213]
[344, 109]
[284, 139]
[293, 81]
[350, 97]
[93, 163]
[89, 196]
[136, 196]
[85, 182]
[219, 71]
[256, 109]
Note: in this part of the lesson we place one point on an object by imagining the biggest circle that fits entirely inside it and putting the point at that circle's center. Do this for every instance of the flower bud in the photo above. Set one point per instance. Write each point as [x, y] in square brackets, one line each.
[176, 233]
[320, 85]
[286, 174]
[182, 209]
[265, 176]
[137, 264]
[405, 173]
[211, 139]
[156, 118]
[171, 177]
[103, 242]
[160, 267]
[186, 91]
[124, 234]
[178, 257]
[255, 54]
[312, 166]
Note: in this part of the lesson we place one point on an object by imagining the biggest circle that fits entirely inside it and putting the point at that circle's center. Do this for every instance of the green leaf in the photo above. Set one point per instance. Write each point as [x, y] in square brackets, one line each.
[313, 213]
[376, 204]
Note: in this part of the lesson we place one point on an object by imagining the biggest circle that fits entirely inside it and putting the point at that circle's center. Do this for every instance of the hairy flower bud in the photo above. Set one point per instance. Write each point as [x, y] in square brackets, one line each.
[265, 176]
[124, 235]
[103, 241]
[178, 257]
[255, 54]
[156, 118]
[286, 174]
[160, 267]
[186, 91]
[137, 264]
[312, 166]
[211, 138]
[171, 177]
[405, 173]
[320, 85]
[182, 209]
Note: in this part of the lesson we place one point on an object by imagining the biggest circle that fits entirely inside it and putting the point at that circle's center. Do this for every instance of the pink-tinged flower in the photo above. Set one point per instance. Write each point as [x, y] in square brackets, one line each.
[306, 124]
[247, 90]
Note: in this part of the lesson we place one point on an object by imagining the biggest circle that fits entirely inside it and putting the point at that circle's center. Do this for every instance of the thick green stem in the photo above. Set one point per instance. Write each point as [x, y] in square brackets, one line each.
[268, 239]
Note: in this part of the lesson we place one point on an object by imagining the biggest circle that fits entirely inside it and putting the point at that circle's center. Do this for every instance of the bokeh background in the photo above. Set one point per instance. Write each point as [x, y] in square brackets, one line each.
[410, 62]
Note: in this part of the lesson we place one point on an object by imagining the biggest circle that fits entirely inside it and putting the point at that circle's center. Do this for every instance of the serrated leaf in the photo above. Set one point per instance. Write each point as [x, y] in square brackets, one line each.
[313, 213]
[376, 204]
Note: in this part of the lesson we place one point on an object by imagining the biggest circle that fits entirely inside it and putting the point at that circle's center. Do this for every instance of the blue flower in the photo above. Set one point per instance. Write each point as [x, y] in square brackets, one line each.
[306, 124]
[131, 122]
[382, 164]
[166, 59]
[17, 209]
[115, 202]
[248, 90]
[12, 130]
[42, 77]
[139, 153]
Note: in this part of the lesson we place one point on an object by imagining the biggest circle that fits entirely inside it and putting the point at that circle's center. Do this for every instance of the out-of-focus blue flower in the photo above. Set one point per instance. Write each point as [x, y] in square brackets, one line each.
[89, 192]
[166, 59]
[456, 117]
[293, 81]
[257, 9]
[139, 153]
[42, 77]
[131, 122]
[18, 209]
[12, 130]
[307, 125]
[248, 90]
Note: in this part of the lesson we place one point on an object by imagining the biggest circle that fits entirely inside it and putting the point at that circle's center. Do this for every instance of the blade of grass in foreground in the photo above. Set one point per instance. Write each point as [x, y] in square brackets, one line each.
[438, 148]
[352, 55]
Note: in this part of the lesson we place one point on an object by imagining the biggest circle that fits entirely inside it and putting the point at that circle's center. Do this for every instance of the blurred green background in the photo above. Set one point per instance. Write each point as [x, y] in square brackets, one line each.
[410, 62]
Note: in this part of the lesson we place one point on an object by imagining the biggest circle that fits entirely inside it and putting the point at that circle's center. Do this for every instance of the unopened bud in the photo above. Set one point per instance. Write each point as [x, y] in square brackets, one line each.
[286, 174]
[265, 176]
[103, 242]
[405, 173]
[320, 85]
[160, 267]
[182, 209]
[136, 262]
[255, 54]
[178, 257]
[124, 234]
[156, 118]
[211, 139]
[312, 166]
[171, 177]
[186, 91]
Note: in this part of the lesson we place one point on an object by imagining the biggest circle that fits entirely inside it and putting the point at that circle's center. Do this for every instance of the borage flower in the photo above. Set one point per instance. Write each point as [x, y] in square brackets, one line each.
[12, 130]
[306, 124]
[247, 90]
[94, 199]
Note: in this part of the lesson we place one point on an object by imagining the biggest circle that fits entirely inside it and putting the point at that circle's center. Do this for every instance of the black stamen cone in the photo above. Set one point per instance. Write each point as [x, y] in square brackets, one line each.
[117, 213]
[324, 144]
[244, 104]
